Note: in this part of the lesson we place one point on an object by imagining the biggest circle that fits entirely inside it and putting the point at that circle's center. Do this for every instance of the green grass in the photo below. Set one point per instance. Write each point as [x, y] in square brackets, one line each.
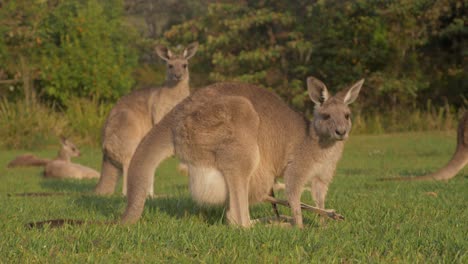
[395, 222]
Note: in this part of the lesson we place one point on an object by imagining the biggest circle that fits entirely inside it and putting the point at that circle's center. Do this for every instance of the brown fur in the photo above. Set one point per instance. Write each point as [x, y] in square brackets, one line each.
[237, 139]
[27, 160]
[456, 163]
[61, 167]
[136, 113]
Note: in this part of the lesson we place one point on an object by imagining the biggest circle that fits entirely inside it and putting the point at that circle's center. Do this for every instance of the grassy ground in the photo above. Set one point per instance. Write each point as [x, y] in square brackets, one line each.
[396, 222]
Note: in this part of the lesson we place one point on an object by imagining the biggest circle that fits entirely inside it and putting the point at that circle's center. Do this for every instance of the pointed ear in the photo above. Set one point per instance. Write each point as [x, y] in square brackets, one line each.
[353, 92]
[163, 52]
[318, 91]
[63, 140]
[190, 50]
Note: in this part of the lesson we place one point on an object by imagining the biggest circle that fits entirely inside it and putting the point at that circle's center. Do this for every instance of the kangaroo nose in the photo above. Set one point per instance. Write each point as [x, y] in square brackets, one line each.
[340, 132]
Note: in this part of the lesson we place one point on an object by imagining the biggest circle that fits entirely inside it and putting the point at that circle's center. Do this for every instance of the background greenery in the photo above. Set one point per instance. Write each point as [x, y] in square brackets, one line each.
[67, 56]
[386, 222]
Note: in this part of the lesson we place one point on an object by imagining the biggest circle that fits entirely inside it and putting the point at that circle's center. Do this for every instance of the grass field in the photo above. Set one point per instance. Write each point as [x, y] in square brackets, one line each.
[396, 222]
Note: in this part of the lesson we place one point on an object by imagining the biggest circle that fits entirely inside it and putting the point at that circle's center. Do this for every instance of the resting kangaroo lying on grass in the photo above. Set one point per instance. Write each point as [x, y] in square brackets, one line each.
[61, 166]
[134, 115]
[237, 139]
[458, 161]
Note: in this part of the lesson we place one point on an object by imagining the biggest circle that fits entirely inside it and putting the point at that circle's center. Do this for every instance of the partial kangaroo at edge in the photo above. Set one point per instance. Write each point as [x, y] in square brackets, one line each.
[237, 139]
[136, 113]
[456, 163]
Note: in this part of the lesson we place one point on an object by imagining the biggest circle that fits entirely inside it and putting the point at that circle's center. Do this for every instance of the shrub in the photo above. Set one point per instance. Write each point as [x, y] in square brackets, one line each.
[24, 125]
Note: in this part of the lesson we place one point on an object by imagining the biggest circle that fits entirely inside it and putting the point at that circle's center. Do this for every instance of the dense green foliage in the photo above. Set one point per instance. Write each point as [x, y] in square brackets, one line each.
[73, 55]
[386, 222]
[68, 48]
[409, 51]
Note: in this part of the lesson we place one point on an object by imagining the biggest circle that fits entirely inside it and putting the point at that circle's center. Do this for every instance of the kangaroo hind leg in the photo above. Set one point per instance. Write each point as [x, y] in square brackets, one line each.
[109, 177]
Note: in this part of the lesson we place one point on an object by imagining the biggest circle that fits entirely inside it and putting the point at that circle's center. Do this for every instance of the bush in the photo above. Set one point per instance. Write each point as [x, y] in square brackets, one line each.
[24, 125]
[32, 126]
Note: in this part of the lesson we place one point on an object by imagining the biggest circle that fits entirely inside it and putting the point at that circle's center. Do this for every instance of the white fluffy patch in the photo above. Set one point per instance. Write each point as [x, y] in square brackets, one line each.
[207, 186]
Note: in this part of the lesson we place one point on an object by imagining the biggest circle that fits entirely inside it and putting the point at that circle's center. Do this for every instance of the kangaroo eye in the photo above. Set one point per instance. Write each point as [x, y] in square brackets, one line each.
[347, 116]
[325, 116]
[171, 66]
[185, 66]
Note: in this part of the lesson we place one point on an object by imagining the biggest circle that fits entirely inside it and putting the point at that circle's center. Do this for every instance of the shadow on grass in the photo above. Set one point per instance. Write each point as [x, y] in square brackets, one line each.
[81, 186]
[176, 206]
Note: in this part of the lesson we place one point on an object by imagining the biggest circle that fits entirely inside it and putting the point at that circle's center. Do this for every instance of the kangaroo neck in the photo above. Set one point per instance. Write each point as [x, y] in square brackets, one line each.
[324, 145]
[177, 86]
[62, 155]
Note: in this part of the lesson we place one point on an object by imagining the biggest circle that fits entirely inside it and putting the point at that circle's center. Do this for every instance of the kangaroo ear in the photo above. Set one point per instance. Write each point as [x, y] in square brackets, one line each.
[190, 50]
[352, 92]
[163, 52]
[318, 91]
[63, 140]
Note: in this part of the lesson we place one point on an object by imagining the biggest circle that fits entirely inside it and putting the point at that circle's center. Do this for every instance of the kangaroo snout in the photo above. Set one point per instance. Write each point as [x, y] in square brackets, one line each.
[340, 133]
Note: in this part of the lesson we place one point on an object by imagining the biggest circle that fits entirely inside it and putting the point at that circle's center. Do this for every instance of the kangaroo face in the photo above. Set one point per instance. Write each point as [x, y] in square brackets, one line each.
[177, 65]
[333, 120]
[332, 116]
[177, 69]
[70, 148]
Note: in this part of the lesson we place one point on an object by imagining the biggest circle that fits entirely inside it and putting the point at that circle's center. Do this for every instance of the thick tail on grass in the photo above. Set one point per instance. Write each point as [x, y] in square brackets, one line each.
[156, 146]
[27, 160]
[457, 163]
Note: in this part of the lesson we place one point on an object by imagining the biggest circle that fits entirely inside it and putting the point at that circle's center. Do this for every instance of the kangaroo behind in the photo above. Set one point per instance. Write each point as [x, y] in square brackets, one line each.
[61, 167]
[237, 139]
[136, 113]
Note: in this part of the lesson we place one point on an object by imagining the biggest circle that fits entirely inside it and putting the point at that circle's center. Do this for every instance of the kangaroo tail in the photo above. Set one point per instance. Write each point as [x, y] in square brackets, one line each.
[156, 146]
[458, 161]
[27, 160]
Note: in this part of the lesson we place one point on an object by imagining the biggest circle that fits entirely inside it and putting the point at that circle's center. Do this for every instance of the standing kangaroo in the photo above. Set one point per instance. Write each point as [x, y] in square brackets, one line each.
[237, 139]
[136, 113]
[61, 167]
[458, 161]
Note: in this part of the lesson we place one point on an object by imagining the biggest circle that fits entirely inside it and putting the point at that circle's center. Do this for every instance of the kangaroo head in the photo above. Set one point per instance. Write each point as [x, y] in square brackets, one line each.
[177, 65]
[332, 116]
[69, 148]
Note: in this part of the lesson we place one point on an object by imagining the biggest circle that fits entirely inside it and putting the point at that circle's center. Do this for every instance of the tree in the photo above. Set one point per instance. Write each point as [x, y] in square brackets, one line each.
[69, 48]
[87, 51]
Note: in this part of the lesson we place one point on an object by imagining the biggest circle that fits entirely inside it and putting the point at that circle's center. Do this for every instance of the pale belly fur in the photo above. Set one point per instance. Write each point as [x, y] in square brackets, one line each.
[207, 186]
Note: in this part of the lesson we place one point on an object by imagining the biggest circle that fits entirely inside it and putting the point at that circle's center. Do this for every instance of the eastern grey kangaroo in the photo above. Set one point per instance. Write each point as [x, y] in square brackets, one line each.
[237, 139]
[136, 113]
[61, 167]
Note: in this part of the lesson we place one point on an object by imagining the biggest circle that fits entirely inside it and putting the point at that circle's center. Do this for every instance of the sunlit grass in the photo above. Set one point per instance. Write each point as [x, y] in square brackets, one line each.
[397, 222]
